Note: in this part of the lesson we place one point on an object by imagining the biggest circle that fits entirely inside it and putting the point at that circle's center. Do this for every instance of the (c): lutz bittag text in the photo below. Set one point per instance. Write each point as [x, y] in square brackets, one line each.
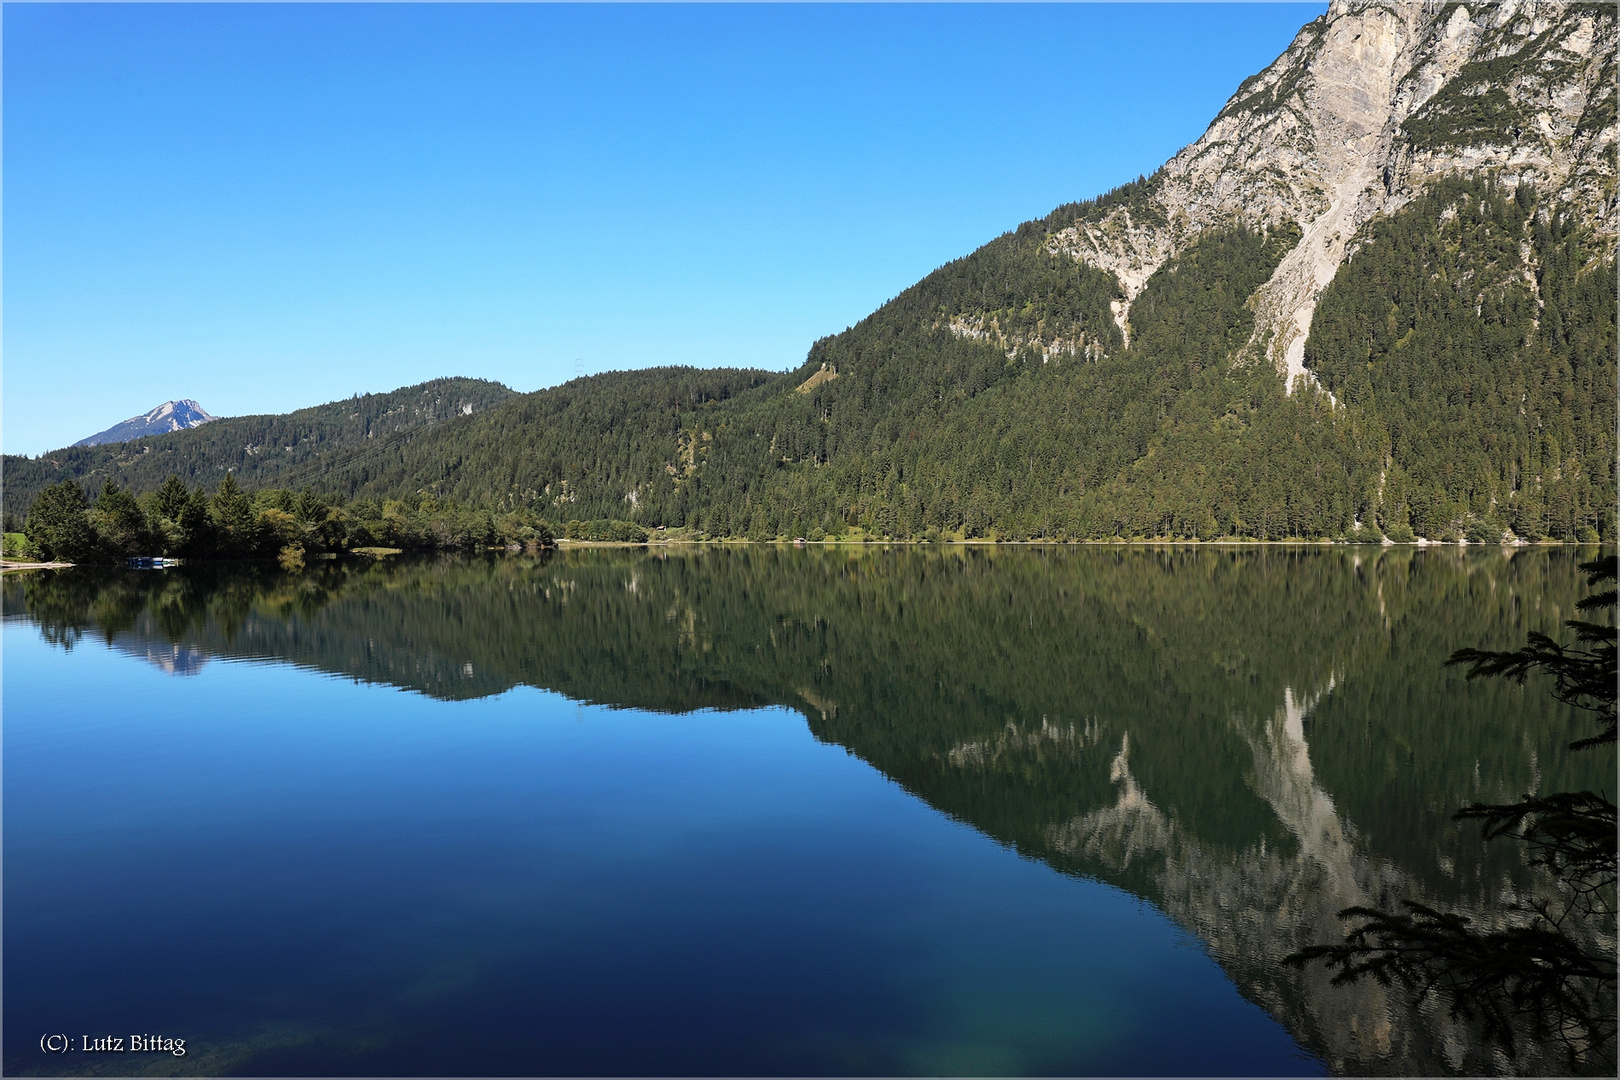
[113, 1044]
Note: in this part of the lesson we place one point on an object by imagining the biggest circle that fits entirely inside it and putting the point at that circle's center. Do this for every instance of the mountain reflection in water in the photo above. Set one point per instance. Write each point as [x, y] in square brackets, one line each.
[1249, 739]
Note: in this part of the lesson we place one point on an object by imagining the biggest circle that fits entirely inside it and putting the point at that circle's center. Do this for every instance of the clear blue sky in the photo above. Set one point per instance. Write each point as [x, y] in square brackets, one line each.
[267, 207]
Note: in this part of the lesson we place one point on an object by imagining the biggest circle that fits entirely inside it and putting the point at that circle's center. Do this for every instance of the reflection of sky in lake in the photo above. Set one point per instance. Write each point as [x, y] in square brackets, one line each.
[300, 874]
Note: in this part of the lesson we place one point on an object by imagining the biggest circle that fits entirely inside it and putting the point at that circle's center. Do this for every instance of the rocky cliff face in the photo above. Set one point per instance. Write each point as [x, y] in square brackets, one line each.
[1370, 103]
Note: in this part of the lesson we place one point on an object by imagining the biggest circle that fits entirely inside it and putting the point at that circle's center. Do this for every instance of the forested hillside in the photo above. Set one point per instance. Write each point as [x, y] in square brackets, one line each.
[1475, 332]
[1473, 385]
[263, 451]
[1377, 299]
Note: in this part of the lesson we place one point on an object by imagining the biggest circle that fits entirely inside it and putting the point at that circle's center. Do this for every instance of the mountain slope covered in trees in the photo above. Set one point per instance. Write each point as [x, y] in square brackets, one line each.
[268, 450]
[1376, 299]
[1444, 229]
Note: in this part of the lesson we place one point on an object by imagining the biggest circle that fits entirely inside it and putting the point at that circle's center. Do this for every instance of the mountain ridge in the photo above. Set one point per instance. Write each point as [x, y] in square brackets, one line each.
[259, 449]
[170, 416]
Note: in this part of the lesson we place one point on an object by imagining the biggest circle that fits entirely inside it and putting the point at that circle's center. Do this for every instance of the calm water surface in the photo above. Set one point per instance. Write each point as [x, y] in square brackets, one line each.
[757, 811]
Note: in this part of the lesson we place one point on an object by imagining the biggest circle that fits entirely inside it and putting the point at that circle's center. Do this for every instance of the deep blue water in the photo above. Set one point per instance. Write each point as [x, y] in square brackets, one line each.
[301, 874]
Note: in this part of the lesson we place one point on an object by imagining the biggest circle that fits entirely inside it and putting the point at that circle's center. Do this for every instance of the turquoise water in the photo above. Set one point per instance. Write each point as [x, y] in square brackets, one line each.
[766, 813]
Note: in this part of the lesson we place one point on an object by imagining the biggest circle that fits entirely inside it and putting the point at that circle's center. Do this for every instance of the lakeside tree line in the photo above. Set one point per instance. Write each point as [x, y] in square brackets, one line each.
[230, 523]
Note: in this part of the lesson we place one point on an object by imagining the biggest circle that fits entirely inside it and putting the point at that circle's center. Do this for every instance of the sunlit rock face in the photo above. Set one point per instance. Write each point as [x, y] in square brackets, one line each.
[1369, 104]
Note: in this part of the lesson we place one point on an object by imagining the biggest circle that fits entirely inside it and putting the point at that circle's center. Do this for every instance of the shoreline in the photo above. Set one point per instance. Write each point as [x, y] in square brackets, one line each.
[8, 567]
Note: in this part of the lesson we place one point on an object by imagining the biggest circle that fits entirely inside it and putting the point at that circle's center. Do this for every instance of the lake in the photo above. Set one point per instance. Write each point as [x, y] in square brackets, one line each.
[760, 810]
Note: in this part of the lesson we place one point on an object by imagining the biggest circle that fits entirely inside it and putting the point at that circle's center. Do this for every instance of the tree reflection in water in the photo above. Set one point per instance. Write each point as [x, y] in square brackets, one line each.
[1250, 739]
